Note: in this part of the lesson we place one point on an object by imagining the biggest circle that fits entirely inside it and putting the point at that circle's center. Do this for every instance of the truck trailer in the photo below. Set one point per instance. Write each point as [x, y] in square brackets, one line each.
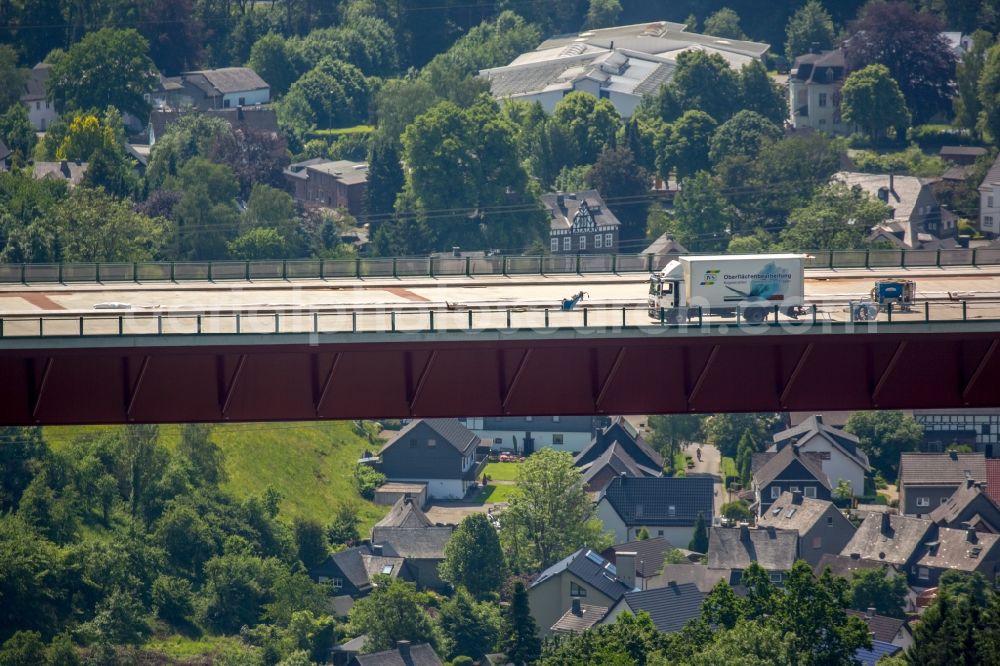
[720, 285]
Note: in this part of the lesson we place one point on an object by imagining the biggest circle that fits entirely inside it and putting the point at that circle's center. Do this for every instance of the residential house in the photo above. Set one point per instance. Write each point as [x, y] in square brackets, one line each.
[579, 618]
[225, 88]
[406, 532]
[892, 630]
[663, 250]
[977, 427]
[915, 216]
[404, 654]
[438, 452]
[821, 526]
[41, 110]
[69, 171]
[329, 183]
[961, 155]
[389, 493]
[243, 118]
[814, 85]
[341, 655]
[352, 571]
[621, 64]
[700, 575]
[621, 431]
[989, 201]
[970, 506]
[648, 556]
[613, 463]
[928, 480]
[840, 452]
[584, 576]
[669, 607]
[527, 434]
[666, 507]
[581, 223]
[963, 550]
[878, 651]
[845, 565]
[993, 479]
[732, 549]
[887, 539]
[790, 470]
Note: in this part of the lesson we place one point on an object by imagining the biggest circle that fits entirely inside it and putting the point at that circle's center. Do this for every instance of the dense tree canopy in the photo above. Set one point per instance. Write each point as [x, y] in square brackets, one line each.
[809, 28]
[872, 100]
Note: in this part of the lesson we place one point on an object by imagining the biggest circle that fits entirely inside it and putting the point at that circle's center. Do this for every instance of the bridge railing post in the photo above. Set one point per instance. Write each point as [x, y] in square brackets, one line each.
[585, 317]
[1, 327]
[430, 266]
[614, 263]
[121, 325]
[937, 258]
[277, 322]
[97, 272]
[354, 322]
[775, 314]
[974, 256]
[394, 274]
[965, 309]
[239, 323]
[81, 326]
[508, 319]
[578, 264]
[159, 324]
[468, 267]
[210, 271]
[868, 254]
[888, 312]
[504, 266]
[470, 319]
[431, 315]
[663, 316]
[700, 315]
[738, 312]
[902, 258]
[60, 273]
[547, 317]
[392, 320]
[927, 310]
[623, 316]
[41, 327]
[246, 271]
[173, 272]
[315, 322]
[198, 324]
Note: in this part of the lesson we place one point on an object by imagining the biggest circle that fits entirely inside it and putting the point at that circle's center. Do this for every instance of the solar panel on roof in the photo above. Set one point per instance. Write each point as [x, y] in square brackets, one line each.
[596, 559]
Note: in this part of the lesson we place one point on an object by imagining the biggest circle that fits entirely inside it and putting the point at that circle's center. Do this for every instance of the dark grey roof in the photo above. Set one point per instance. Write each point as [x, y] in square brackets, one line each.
[450, 430]
[786, 514]
[669, 607]
[649, 554]
[665, 244]
[416, 655]
[882, 627]
[992, 176]
[591, 568]
[880, 649]
[814, 425]
[844, 565]
[661, 501]
[941, 469]
[536, 76]
[405, 513]
[617, 459]
[418, 543]
[969, 497]
[621, 431]
[737, 547]
[359, 564]
[71, 172]
[961, 550]
[564, 216]
[34, 85]
[227, 80]
[697, 574]
[788, 456]
[573, 621]
[759, 459]
[883, 537]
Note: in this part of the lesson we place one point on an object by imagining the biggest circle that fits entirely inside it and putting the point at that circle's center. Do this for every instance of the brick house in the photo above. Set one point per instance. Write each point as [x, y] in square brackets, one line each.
[329, 183]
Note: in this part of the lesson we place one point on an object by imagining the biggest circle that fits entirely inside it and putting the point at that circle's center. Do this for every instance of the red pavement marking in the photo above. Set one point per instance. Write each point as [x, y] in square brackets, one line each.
[40, 301]
[405, 293]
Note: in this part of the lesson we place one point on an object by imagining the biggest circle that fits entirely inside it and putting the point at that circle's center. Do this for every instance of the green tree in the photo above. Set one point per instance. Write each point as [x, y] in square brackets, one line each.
[12, 78]
[836, 218]
[969, 71]
[271, 58]
[810, 27]
[669, 432]
[748, 644]
[208, 463]
[193, 135]
[759, 93]
[107, 67]
[602, 14]
[173, 599]
[343, 529]
[552, 516]
[642, 534]
[519, 636]
[725, 431]
[185, 537]
[22, 450]
[385, 176]
[93, 226]
[592, 123]
[738, 510]
[620, 180]
[629, 640]
[237, 586]
[366, 480]
[884, 435]
[206, 213]
[685, 146]
[118, 620]
[702, 216]
[842, 492]
[879, 589]
[743, 134]
[744, 457]
[871, 99]
[989, 94]
[17, 132]
[61, 652]
[310, 635]
[310, 541]
[469, 628]
[699, 540]
[24, 648]
[473, 558]
[705, 82]
[257, 244]
[31, 568]
[724, 23]
[392, 612]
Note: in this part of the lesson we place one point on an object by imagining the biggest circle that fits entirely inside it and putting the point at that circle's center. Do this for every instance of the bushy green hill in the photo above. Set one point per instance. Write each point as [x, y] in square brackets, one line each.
[310, 464]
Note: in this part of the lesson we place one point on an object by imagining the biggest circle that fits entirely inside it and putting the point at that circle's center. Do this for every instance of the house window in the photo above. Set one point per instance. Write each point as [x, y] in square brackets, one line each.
[554, 243]
[824, 455]
[672, 510]
[989, 201]
[923, 573]
[576, 591]
[557, 439]
[567, 243]
[498, 440]
[829, 521]
[225, 103]
[597, 241]
[608, 240]
[822, 99]
[337, 583]
[38, 106]
[817, 543]
[431, 443]
[659, 532]
[775, 492]
[583, 242]
[923, 501]
[794, 489]
[243, 101]
[776, 577]
[822, 121]
[809, 491]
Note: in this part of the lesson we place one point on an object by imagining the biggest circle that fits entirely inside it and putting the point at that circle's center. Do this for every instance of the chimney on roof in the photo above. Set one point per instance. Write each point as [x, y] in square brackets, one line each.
[796, 497]
[886, 526]
[577, 610]
[404, 649]
[560, 200]
[970, 482]
[744, 532]
[376, 549]
[625, 563]
[971, 536]
[953, 455]
[64, 168]
[407, 499]
[870, 613]
[456, 251]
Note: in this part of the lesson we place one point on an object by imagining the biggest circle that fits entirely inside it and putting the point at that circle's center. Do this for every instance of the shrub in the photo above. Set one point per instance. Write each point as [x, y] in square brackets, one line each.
[172, 598]
[366, 480]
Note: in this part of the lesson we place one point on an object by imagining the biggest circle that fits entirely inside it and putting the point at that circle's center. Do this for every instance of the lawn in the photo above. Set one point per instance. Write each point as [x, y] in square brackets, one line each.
[502, 471]
[310, 464]
[729, 468]
[181, 647]
[492, 494]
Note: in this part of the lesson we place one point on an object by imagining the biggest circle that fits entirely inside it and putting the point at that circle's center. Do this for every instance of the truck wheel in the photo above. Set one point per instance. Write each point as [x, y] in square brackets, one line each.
[671, 317]
[754, 315]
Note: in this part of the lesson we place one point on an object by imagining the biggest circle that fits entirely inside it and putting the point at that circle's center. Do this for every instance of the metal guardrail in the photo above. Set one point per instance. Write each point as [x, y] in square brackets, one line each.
[589, 318]
[398, 267]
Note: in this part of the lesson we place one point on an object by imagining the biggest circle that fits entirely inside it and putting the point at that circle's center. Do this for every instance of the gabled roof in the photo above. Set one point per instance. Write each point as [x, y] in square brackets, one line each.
[620, 462]
[405, 513]
[575, 621]
[968, 498]
[71, 172]
[992, 176]
[591, 568]
[359, 564]
[866, 657]
[993, 479]
[901, 191]
[563, 209]
[649, 554]
[418, 543]
[844, 565]
[941, 469]
[663, 245]
[883, 537]
[449, 431]
[227, 80]
[697, 574]
[737, 547]
[790, 455]
[792, 511]
[882, 627]
[961, 550]
[621, 431]
[416, 655]
[813, 426]
[666, 501]
[35, 84]
[669, 607]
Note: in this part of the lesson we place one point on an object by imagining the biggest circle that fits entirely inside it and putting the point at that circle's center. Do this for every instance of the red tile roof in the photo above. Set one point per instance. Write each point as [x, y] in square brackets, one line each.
[993, 479]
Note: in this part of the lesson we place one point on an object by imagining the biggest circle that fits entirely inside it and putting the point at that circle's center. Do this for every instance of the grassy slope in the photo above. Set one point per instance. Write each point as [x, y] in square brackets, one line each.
[310, 464]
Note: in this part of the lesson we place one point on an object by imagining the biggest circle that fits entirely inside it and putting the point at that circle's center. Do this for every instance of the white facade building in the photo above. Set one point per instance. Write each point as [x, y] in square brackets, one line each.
[41, 110]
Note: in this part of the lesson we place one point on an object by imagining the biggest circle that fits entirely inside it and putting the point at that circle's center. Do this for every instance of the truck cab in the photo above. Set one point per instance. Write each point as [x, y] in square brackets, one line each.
[666, 289]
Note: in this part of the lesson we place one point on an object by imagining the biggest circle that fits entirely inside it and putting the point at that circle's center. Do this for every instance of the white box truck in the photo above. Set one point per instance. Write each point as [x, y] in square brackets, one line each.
[720, 285]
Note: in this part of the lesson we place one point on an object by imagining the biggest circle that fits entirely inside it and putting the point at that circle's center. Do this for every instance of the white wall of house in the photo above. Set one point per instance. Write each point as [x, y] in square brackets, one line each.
[574, 442]
[820, 101]
[41, 113]
[989, 208]
[678, 536]
[839, 466]
[442, 488]
[246, 98]
[612, 521]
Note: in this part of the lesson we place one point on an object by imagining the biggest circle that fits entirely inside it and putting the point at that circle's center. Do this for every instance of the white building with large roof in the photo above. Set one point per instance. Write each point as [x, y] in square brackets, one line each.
[621, 64]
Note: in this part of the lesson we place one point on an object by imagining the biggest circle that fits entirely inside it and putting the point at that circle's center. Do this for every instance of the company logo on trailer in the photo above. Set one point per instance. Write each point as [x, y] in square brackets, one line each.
[710, 277]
